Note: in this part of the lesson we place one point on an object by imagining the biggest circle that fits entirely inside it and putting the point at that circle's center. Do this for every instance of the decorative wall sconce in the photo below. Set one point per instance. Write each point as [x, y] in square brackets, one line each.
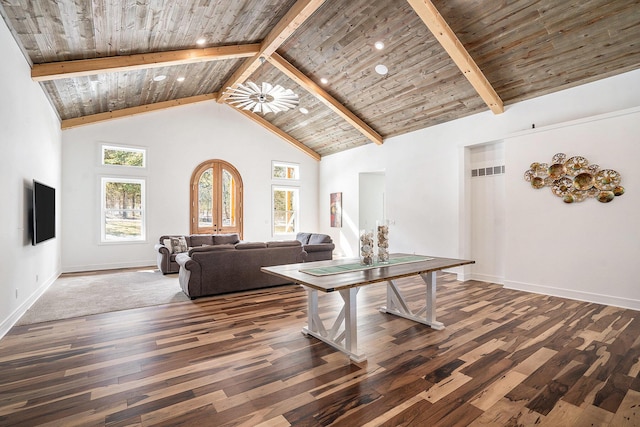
[574, 179]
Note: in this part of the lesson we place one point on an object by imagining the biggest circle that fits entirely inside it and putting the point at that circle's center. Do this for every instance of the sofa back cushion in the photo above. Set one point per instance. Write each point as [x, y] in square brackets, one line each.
[319, 238]
[251, 245]
[283, 243]
[303, 237]
[223, 239]
[200, 239]
[211, 248]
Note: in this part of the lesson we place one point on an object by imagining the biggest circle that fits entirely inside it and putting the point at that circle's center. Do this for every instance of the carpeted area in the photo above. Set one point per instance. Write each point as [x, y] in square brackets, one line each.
[81, 295]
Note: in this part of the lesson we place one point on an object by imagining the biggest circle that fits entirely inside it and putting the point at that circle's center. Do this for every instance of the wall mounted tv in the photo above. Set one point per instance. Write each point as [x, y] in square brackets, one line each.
[44, 212]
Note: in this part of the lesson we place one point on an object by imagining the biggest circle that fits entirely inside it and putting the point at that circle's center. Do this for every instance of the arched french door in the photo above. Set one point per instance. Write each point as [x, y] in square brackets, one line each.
[216, 198]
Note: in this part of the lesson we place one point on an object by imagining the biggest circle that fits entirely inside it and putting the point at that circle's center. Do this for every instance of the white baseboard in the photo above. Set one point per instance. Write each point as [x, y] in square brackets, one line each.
[110, 266]
[8, 323]
[573, 294]
[485, 278]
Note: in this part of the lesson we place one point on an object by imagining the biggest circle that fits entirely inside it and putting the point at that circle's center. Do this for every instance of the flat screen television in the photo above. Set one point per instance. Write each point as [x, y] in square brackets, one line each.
[44, 212]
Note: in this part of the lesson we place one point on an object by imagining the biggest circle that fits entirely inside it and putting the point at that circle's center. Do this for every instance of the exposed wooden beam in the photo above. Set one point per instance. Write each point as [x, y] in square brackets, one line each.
[449, 41]
[301, 79]
[88, 67]
[294, 18]
[291, 140]
[125, 112]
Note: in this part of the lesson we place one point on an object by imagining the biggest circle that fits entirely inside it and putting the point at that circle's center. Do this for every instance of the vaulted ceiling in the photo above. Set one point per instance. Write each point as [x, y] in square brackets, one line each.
[446, 59]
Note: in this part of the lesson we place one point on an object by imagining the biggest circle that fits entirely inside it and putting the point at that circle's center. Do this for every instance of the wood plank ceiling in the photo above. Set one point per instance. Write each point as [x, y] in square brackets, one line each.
[96, 59]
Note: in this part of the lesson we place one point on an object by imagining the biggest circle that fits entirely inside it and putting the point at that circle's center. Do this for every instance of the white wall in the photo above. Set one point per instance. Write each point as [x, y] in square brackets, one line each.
[426, 189]
[588, 250]
[177, 140]
[30, 139]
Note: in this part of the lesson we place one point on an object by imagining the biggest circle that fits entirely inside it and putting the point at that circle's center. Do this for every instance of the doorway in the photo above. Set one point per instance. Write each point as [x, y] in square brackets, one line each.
[216, 199]
[371, 199]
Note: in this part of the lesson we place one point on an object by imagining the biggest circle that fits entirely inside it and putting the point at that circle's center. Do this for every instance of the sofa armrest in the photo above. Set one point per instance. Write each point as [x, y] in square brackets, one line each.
[159, 247]
[189, 275]
[184, 260]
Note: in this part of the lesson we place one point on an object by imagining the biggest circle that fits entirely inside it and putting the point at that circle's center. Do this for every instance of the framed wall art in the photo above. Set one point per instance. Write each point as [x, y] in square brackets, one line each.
[336, 209]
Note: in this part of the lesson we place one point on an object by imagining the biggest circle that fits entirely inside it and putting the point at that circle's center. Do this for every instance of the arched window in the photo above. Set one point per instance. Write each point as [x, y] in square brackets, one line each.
[216, 198]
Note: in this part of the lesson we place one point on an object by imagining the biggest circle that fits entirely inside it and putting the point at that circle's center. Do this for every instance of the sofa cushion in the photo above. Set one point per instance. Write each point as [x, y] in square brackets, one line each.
[211, 248]
[251, 245]
[200, 239]
[319, 238]
[283, 243]
[303, 237]
[222, 239]
[178, 245]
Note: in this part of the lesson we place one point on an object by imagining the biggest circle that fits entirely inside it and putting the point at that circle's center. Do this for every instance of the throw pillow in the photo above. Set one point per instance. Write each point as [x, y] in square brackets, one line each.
[179, 244]
[167, 243]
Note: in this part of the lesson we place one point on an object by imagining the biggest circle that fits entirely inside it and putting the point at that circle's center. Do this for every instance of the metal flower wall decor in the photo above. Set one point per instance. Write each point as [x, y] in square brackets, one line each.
[265, 98]
[574, 179]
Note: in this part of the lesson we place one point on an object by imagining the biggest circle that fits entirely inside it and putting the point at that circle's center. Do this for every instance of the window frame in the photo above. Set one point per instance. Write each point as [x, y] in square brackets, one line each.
[296, 210]
[103, 209]
[275, 163]
[107, 146]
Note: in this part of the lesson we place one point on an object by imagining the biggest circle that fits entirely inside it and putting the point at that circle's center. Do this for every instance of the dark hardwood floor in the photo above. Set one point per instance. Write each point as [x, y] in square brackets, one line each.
[505, 358]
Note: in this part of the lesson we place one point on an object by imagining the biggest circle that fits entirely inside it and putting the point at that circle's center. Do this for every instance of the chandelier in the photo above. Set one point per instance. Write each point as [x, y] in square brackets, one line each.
[262, 99]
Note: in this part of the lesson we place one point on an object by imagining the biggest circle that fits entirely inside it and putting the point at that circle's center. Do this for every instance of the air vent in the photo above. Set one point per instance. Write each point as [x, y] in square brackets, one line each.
[488, 171]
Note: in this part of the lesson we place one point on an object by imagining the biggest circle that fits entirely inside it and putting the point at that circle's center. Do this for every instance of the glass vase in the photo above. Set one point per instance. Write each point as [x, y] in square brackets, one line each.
[382, 228]
[366, 247]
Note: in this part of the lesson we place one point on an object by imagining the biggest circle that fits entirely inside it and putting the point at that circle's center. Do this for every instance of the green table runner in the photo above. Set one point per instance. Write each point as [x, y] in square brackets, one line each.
[356, 266]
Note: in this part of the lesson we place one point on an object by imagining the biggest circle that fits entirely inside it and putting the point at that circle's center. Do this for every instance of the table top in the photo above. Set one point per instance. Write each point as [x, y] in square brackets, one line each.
[350, 279]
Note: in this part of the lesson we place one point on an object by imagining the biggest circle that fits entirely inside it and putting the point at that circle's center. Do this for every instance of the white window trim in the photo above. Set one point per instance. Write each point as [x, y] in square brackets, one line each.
[143, 202]
[275, 163]
[275, 187]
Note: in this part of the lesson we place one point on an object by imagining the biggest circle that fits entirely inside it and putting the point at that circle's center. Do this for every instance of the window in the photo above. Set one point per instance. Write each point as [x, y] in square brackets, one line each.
[216, 198]
[280, 170]
[123, 156]
[285, 210]
[123, 214]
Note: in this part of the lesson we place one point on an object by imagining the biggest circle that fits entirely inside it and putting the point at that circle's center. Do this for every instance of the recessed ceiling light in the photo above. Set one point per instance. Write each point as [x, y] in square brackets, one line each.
[324, 81]
[379, 45]
[304, 110]
[201, 41]
[180, 79]
[159, 78]
[381, 69]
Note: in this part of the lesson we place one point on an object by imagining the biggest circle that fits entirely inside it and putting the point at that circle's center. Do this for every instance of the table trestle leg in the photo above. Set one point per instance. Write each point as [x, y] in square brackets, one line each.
[343, 334]
[397, 305]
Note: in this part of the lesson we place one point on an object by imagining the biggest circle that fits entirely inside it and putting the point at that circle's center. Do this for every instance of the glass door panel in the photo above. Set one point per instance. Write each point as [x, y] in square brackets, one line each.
[205, 199]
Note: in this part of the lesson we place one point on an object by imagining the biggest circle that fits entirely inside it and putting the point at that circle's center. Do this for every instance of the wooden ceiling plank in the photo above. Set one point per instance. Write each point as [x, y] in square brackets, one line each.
[126, 112]
[88, 67]
[294, 18]
[450, 42]
[301, 79]
[271, 128]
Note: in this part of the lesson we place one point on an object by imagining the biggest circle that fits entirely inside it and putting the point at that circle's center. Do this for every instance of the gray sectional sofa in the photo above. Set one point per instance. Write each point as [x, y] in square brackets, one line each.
[219, 269]
[212, 264]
